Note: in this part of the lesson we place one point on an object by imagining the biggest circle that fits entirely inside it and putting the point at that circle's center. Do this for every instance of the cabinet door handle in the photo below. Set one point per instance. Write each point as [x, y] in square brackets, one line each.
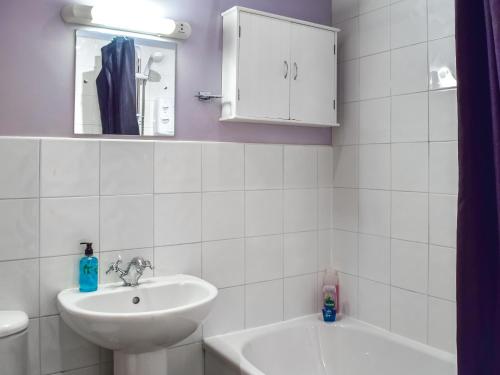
[285, 63]
[296, 71]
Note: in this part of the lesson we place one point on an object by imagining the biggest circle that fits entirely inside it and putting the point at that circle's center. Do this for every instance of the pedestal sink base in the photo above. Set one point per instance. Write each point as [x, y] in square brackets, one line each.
[152, 363]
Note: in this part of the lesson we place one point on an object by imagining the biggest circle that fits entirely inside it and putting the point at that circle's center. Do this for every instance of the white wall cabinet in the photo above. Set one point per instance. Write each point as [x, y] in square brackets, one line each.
[278, 70]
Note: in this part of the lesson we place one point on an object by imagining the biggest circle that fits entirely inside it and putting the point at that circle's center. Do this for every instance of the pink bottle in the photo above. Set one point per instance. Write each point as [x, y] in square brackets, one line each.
[331, 287]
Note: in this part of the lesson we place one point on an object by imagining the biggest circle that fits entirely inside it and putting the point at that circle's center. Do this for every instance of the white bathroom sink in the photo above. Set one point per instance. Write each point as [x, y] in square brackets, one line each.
[157, 313]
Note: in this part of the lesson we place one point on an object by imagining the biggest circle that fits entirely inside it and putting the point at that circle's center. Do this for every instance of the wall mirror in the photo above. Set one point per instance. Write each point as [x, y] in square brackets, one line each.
[124, 85]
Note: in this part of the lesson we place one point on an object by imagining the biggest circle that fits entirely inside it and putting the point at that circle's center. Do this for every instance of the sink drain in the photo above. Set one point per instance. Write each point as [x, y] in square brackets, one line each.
[136, 300]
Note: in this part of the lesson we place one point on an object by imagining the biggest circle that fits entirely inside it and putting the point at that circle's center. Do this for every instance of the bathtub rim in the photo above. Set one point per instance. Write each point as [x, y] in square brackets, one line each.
[229, 346]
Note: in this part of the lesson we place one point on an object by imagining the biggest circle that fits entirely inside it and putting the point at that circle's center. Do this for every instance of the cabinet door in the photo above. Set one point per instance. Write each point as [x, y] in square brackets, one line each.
[264, 67]
[313, 91]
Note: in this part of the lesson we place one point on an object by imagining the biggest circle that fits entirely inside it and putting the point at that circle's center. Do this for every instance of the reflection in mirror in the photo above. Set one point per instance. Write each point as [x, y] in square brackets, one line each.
[124, 85]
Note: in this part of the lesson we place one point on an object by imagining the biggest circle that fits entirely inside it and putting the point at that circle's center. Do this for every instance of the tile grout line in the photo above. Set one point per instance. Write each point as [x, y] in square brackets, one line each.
[39, 142]
[390, 174]
[282, 239]
[428, 175]
[244, 240]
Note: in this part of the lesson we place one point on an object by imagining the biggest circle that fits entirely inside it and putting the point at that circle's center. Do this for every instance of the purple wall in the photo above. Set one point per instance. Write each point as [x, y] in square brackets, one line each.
[37, 65]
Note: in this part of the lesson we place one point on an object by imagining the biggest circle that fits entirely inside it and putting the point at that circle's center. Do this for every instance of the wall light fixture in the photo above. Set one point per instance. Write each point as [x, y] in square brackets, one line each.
[125, 18]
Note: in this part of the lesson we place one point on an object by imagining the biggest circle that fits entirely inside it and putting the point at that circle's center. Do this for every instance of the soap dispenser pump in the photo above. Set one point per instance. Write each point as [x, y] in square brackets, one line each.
[89, 269]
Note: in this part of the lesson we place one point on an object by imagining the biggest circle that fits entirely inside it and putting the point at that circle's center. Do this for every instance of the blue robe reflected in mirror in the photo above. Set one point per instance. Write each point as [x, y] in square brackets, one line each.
[116, 88]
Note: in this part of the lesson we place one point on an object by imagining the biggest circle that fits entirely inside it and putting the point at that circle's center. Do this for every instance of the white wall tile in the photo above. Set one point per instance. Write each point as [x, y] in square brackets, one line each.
[325, 214]
[121, 223]
[263, 167]
[374, 166]
[443, 219]
[348, 83]
[369, 5]
[443, 118]
[126, 222]
[177, 218]
[348, 40]
[171, 260]
[409, 118]
[300, 167]
[348, 291]
[195, 337]
[409, 314]
[325, 167]
[228, 312]
[374, 76]
[223, 262]
[320, 277]
[409, 218]
[443, 167]
[300, 210]
[374, 258]
[345, 251]
[263, 258]
[63, 349]
[126, 167]
[374, 303]
[442, 65]
[299, 296]
[375, 212]
[408, 22]
[409, 69]
[345, 209]
[375, 121]
[106, 356]
[263, 212]
[348, 132]
[442, 272]
[441, 15]
[69, 168]
[19, 168]
[177, 167]
[442, 324]
[325, 245]
[56, 274]
[186, 359]
[263, 303]
[300, 253]
[422, 109]
[222, 215]
[409, 262]
[19, 291]
[222, 166]
[34, 347]
[106, 368]
[106, 258]
[374, 32]
[18, 228]
[92, 370]
[410, 166]
[65, 222]
[345, 166]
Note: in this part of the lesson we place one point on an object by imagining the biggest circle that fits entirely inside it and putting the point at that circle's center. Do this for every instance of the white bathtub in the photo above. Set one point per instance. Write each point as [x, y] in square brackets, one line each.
[308, 346]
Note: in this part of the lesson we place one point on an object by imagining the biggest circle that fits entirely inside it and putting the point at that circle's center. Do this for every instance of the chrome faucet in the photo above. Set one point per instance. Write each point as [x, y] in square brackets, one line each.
[131, 275]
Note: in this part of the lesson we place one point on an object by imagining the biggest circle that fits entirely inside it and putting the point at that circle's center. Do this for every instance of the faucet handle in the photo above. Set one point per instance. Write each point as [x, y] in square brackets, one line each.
[148, 264]
[115, 266]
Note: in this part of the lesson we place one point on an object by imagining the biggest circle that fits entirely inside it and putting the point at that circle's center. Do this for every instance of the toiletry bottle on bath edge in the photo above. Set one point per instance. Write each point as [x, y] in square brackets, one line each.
[330, 295]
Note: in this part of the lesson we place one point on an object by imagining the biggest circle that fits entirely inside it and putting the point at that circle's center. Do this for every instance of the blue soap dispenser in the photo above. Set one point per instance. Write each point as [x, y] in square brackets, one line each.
[89, 269]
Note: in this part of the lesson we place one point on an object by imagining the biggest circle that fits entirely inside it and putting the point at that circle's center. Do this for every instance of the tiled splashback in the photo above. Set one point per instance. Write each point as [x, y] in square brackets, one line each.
[254, 220]
[395, 165]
